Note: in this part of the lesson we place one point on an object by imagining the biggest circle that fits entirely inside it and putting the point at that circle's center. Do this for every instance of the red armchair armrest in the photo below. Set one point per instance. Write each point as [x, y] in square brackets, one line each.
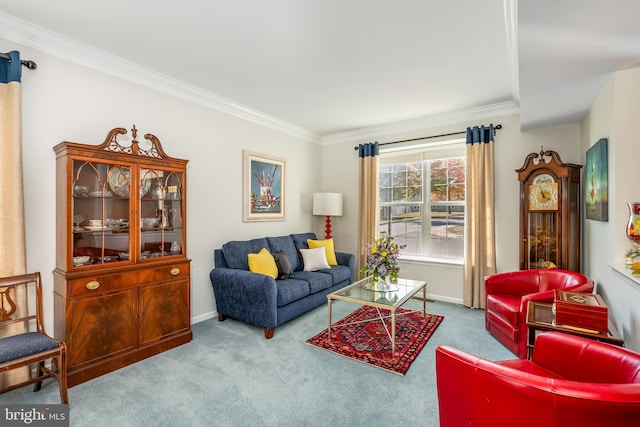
[571, 381]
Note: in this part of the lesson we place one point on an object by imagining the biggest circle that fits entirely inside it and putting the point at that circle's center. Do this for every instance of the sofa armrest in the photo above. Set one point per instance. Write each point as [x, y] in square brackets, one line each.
[246, 296]
[476, 392]
[346, 259]
[496, 394]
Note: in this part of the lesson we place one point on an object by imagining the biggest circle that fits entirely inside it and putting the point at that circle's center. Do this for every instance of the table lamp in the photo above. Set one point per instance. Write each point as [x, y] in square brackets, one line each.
[327, 204]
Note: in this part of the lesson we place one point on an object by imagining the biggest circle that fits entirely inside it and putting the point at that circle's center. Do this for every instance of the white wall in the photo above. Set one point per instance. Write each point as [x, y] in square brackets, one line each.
[64, 101]
[614, 115]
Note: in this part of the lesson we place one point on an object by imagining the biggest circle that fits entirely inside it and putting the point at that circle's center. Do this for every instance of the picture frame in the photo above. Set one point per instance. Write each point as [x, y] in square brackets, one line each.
[263, 187]
[596, 182]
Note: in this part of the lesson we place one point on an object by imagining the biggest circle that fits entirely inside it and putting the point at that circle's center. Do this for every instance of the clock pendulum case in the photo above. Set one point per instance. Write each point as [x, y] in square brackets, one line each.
[549, 212]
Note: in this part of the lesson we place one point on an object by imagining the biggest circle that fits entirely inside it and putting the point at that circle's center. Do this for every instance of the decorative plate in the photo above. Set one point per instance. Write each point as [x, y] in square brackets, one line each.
[119, 182]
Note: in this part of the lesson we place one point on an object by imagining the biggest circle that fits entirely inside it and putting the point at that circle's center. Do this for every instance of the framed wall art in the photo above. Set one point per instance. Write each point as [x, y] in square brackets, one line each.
[596, 182]
[263, 187]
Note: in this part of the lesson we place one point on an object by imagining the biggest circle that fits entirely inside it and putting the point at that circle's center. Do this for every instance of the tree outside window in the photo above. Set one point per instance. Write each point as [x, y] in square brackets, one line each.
[429, 224]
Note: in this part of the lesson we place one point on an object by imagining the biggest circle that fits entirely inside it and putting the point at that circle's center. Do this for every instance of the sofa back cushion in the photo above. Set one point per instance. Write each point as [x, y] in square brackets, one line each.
[559, 279]
[285, 244]
[236, 253]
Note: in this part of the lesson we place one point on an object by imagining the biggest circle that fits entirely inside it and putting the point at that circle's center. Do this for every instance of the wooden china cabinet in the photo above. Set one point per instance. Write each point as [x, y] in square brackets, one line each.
[122, 278]
[549, 212]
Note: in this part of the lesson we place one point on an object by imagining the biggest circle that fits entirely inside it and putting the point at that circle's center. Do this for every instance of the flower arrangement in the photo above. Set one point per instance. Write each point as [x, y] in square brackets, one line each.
[632, 253]
[629, 260]
[382, 258]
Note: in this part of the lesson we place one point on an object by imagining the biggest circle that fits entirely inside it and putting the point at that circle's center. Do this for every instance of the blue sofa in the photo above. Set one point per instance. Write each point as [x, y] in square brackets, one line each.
[265, 302]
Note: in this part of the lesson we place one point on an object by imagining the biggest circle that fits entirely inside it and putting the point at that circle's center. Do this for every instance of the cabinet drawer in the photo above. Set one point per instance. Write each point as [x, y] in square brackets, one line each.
[92, 285]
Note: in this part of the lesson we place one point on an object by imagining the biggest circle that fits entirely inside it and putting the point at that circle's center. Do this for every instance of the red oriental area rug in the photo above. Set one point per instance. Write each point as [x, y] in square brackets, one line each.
[369, 342]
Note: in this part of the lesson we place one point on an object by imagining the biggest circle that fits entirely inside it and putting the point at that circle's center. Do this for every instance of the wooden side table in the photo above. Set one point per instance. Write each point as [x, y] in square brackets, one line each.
[540, 317]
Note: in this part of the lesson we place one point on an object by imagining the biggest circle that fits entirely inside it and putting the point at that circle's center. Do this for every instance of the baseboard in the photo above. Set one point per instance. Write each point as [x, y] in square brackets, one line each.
[203, 317]
[444, 299]
[214, 314]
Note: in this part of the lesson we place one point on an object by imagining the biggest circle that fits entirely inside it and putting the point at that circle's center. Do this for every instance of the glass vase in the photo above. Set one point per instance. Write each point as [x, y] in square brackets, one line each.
[393, 274]
[380, 284]
[633, 226]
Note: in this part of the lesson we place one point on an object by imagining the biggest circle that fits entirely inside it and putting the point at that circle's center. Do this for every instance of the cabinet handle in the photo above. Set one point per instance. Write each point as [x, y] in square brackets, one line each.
[93, 285]
[174, 271]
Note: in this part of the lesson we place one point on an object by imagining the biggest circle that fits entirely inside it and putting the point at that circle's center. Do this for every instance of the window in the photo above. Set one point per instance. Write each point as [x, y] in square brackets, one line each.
[422, 200]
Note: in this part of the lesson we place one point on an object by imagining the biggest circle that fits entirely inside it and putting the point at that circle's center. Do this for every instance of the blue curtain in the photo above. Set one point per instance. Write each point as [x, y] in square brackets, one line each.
[480, 250]
[11, 70]
[478, 134]
[370, 149]
[368, 204]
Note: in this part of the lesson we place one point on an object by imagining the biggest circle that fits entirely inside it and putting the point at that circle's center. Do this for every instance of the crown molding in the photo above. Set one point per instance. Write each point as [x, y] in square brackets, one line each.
[420, 123]
[27, 34]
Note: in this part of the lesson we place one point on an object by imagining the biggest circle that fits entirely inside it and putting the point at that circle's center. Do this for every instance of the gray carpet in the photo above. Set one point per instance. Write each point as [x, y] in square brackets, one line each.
[229, 375]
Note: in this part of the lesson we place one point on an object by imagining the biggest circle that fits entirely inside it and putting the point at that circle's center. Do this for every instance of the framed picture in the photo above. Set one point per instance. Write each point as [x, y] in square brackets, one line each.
[596, 182]
[263, 187]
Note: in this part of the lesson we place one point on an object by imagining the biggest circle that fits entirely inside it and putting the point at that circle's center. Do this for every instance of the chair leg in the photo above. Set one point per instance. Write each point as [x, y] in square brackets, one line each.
[39, 372]
[268, 333]
[62, 376]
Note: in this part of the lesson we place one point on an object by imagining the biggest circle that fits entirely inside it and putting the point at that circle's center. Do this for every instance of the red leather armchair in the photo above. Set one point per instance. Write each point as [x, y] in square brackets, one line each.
[571, 381]
[508, 294]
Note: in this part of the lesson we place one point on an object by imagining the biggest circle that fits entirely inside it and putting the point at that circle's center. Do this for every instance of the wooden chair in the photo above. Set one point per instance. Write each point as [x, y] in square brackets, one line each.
[23, 340]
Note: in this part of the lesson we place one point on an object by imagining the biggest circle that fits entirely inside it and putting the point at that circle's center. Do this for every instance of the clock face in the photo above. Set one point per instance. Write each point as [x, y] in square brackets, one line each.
[543, 196]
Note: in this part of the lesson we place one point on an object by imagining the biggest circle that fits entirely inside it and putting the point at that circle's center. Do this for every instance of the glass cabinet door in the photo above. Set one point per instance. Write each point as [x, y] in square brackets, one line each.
[543, 240]
[161, 213]
[100, 213]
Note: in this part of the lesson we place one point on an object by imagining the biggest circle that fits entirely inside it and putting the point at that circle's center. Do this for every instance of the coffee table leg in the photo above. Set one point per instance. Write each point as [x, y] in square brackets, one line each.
[393, 333]
[424, 301]
[329, 328]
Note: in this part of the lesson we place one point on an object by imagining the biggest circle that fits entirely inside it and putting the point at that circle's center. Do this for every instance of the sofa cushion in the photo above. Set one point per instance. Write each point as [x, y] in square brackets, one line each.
[263, 263]
[316, 280]
[285, 244]
[283, 264]
[291, 290]
[338, 273]
[314, 259]
[328, 246]
[236, 253]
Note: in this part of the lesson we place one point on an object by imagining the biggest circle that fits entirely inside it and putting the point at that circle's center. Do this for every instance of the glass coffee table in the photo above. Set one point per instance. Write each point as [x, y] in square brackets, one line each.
[403, 291]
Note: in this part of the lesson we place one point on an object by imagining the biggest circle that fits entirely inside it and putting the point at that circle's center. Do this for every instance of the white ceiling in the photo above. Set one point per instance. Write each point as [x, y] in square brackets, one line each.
[331, 67]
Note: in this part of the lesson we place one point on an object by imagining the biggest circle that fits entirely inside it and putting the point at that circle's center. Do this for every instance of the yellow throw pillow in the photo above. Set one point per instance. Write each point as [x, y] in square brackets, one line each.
[328, 247]
[263, 263]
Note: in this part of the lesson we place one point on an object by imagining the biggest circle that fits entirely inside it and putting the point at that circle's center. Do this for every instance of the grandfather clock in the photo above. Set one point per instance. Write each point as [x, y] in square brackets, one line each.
[549, 212]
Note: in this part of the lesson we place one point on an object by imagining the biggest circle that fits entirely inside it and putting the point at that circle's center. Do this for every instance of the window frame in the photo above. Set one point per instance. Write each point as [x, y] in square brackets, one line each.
[437, 151]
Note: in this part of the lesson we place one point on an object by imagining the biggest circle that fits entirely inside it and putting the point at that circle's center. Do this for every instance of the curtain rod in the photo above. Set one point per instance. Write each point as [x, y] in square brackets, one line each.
[496, 127]
[27, 63]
